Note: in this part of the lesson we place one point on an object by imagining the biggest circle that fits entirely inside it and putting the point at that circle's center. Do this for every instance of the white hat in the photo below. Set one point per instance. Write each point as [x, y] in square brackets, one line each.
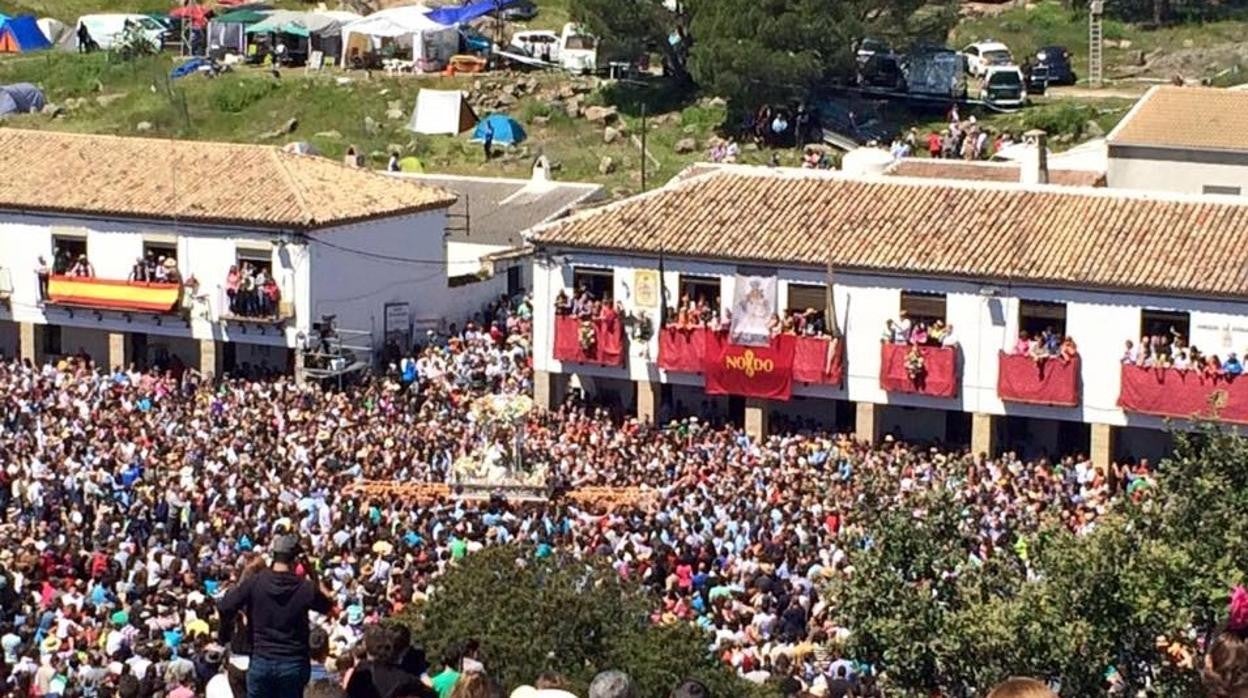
[530, 692]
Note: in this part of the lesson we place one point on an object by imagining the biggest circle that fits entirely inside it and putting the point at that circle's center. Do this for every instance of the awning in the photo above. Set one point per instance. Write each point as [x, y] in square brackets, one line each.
[450, 15]
[108, 294]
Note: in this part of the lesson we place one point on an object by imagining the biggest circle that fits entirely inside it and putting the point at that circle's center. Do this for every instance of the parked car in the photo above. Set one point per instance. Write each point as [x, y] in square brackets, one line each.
[1060, 64]
[521, 11]
[472, 41]
[983, 55]
[1004, 86]
[872, 47]
[1037, 78]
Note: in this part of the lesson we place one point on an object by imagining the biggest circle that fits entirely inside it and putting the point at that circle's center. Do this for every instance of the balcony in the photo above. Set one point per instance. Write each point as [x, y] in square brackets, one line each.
[921, 370]
[1047, 381]
[111, 294]
[1184, 394]
[599, 342]
[816, 360]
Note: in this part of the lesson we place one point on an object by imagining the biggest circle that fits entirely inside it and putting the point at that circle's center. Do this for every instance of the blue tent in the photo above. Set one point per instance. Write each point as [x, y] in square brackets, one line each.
[507, 131]
[21, 98]
[21, 34]
[450, 15]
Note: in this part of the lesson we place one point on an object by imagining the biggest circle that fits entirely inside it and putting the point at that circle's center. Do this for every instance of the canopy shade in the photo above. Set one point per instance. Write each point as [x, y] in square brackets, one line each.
[301, 23]
[396, 21]
[468, 12]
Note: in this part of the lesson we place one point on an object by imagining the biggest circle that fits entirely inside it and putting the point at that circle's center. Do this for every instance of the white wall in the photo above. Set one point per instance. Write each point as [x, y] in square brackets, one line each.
[357, 269]
[1170, 175]
[985, 320]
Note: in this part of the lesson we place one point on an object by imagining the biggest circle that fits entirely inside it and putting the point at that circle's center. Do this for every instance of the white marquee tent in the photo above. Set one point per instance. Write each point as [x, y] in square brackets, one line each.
[431, 44]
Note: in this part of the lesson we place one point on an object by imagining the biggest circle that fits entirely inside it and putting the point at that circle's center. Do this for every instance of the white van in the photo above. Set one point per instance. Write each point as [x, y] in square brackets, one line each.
[107, 29]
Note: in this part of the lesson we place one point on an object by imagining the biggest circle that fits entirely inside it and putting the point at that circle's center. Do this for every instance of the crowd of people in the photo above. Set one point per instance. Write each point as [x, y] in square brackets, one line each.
[138, 507]
[252, 291]
[1045, 344]
[1170, 349]
[919, 332]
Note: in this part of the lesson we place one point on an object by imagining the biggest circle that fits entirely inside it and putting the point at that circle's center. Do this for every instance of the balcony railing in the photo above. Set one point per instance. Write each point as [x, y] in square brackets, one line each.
[113, 294]
[1184, 394]
[922, 370]
[1050, 380]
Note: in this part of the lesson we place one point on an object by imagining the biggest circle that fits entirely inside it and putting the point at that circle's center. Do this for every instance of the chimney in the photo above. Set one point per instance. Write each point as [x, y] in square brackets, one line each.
[1033, 167]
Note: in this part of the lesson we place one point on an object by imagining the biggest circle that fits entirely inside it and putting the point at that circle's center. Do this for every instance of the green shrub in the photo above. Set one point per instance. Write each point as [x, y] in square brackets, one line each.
[232, 97]
[534, 109]
[1059, 119]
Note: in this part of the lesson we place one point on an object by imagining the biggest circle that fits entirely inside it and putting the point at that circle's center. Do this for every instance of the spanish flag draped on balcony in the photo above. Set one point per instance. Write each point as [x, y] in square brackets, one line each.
[111, 294]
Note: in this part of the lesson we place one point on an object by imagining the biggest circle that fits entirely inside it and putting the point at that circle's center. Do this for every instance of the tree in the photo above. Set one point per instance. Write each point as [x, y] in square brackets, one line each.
[1055, 605]
[564, 615]
[756, 51]
[630, 28]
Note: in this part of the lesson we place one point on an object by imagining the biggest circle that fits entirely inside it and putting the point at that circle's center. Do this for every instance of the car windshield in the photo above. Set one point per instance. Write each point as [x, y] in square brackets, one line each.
[1006, 78]
[150, 24]
[580, 42]
[999, 56]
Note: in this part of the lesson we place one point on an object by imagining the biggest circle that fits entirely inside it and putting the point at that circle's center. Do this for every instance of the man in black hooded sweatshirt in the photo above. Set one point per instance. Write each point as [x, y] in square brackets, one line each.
[276, 602]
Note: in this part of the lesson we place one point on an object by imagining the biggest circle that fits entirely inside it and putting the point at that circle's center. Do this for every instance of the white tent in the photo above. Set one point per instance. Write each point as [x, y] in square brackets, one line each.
[442, 111]
[431, 44]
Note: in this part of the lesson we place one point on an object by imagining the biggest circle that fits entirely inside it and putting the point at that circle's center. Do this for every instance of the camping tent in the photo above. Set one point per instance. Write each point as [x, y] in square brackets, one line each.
[21, 98]
[431, 44]
[442, 111]
[21, 34]
[322, 30]
[226, 32]
[54, 29]
[507, 131]
[411, 164]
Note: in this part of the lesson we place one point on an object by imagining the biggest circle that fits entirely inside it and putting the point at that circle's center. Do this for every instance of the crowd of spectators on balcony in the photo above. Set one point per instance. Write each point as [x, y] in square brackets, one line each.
[1171, 350]
[155, 268]
[65, 264]
[918, 332]
[1044, 345]
[252, 291]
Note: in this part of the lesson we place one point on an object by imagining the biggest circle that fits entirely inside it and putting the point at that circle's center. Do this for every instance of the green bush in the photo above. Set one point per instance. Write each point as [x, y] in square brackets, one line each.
[563, 615]
[1058, 119]
[232, 97]
[534, 109]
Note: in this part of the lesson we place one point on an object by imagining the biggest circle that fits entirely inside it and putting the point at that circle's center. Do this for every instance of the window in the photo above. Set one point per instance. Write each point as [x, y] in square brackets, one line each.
[65, 250]
[156, 250]
[257, 258]
[700, 289]
[805, 296]
[51, 340]
[599, 282]
[1220, 190]
[1165, 323]
[1035, 317]
[923, 307]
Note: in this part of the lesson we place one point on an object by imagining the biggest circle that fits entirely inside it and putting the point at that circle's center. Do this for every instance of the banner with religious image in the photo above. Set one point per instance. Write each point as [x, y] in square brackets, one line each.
[753, 306]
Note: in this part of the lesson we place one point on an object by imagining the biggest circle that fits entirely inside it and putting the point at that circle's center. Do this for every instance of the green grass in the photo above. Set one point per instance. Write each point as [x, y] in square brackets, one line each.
[244, 105]
[1047, 23]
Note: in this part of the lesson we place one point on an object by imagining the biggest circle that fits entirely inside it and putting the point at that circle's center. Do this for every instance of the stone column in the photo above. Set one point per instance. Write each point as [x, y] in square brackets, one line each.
[868, 419]
[209, 359]
[648, 394]
[118, 350]
[983, 434]
[30, 343]
[757, 417]
[1104, 442]
[299, 364]
[549, 389]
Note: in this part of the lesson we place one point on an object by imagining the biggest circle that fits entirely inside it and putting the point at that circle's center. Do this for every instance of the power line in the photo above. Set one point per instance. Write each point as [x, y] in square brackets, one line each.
[376, 255]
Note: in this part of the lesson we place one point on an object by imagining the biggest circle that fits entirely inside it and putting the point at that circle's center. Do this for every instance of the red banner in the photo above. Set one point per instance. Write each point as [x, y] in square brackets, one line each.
[1049, 381]
[1169, 392]
[933, 372]
[681, 349]
[765, 372]
[819, 360]
[603, 345]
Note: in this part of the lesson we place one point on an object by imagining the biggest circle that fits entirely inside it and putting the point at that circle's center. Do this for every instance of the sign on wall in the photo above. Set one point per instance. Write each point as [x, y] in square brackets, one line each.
[397, 324]
[646, 288]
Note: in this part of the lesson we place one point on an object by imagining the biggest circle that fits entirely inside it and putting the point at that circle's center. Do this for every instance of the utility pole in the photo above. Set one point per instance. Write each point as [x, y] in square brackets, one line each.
[643, 147]
[1096, 43]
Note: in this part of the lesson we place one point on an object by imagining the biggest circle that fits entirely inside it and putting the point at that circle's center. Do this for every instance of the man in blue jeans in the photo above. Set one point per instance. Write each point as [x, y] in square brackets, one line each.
[276, 602]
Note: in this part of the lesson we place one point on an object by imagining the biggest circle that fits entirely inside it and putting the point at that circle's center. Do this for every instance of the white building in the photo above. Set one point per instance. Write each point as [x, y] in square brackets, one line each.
[337, 241]
[1191, 140]
[1100, 265]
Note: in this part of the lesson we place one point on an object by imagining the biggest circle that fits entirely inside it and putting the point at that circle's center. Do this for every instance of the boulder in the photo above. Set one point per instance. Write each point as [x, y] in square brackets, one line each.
[1093, 130]
[610, 135]
[370, 126]
[395, 114]
[686, 145]
[143, 126]
[572, 108]
[328, 135]
[717, 103]
[566, 92]
[394, 104]
[52, 110]
[105, 100]
[606, 165]
[540, 120]
[601, 115]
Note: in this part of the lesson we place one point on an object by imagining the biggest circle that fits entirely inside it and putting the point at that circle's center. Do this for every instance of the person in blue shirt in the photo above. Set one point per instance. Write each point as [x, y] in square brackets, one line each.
[1232, 366]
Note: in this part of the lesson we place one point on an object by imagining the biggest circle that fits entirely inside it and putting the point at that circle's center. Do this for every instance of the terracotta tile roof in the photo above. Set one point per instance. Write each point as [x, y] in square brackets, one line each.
[1047, 235]
[1203, 118]
[223, 183]
[987, 172]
